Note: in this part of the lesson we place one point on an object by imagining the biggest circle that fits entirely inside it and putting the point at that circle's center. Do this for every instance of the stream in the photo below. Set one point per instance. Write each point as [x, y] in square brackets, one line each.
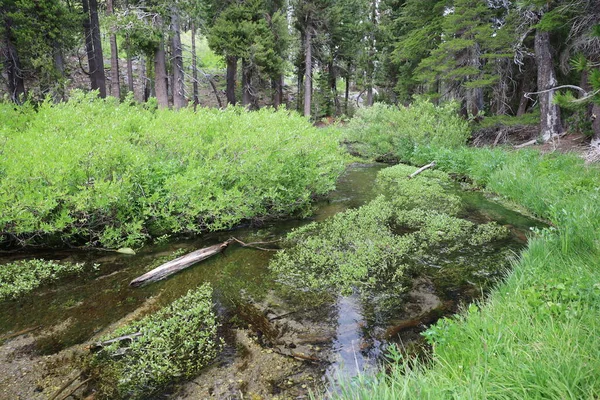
[278, 340]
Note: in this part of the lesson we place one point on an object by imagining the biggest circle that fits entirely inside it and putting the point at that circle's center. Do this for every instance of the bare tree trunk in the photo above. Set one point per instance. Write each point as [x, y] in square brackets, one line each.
[115, 86]
[89, 45]
[179, 100]
[130, 71]
[277, 87]
[371, 57]
[333, 87]
[246, 82]
[195, 68]
[160, 76]
[596, 125]
[347, 94]
[308, 71]
[98, 56]
[12, 64]
[231, 74]
[550, 122]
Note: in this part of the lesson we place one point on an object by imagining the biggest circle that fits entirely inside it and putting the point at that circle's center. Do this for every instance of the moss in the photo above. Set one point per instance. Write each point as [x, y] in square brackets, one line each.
[175, 343]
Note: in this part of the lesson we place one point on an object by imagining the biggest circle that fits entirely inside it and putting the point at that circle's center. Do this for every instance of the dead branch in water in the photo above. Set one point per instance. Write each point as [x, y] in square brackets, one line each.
[423, 168]
[253, 245]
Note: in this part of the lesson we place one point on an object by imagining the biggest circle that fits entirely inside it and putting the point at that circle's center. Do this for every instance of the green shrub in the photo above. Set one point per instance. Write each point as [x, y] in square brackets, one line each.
[98, 172]
[376, 243]
[175, 343]
[390, 133]
[21, 277]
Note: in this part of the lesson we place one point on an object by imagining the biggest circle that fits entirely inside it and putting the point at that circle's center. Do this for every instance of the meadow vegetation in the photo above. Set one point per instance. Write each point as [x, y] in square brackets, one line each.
[537, 333]
[173, 344]
[95, 172]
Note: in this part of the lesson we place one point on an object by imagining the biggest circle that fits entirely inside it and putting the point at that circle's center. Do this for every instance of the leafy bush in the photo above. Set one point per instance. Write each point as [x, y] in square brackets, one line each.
[376, 243]
[390, 133]
[21, 277]
[98, 172]
[175, 343]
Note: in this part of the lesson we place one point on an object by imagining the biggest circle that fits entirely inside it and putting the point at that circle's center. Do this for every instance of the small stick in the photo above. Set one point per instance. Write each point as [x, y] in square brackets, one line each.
[253, 244]
[24, 331]
[76, 388]
[423, 168]
[66, 385]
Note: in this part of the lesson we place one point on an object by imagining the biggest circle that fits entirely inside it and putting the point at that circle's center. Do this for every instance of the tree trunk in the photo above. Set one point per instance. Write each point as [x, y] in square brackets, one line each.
[130, 71]
[596, 125]
[195, 68]
[12, 64]
[231, 74]
[100, 78]
[246, 82]
[347, 94]
[277, 86]
[526, 87]
[115, 86]
[179, 100]
[89, 45]
[308, 71]
[160, 76]
[550, 122]
[333, 87]
[371, 57]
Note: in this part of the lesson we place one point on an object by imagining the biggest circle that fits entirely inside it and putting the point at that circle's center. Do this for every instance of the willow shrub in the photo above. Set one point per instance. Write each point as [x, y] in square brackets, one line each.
[99, 172]
[174, 344]
[391, 133]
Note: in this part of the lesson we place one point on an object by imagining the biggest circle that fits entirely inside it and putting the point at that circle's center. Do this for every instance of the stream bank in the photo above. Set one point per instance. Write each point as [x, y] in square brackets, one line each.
[280, 342]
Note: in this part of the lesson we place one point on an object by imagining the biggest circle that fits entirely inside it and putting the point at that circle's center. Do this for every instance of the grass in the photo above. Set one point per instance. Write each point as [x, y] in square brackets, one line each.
[537, 334]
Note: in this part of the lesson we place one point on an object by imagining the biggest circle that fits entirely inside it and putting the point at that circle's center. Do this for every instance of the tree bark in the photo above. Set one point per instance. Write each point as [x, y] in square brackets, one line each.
[371, 57]
[89, 45]
[160, 76]
[100, 77]
[115, 86]
[596, 125]
[12, 65]
[195, 69]
[550, 122]
[277, 86]
[308, 71]
[130, 71]
[347, 94]
[179, 100]
[246, 83]
[231, 75]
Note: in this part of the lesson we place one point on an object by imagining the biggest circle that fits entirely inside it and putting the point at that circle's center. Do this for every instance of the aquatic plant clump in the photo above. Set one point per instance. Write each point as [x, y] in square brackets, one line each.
[115, 174]
[21, 277]
[172, 344]
[379, 241]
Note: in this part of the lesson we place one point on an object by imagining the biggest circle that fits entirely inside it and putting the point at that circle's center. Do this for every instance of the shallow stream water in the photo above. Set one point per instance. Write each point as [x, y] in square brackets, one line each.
[263, 322]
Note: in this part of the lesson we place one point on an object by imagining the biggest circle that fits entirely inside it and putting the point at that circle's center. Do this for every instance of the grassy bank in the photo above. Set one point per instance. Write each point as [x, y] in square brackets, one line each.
[537, 334]
[96, 172]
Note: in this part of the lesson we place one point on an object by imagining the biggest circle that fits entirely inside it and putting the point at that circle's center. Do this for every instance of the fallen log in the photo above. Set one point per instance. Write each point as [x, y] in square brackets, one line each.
[19, 333]
[179, 264]
[423, 168]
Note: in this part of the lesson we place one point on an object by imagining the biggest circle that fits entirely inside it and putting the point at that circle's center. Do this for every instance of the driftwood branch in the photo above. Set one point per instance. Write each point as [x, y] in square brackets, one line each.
[423, 168]
[254, 244]
[100, 345]
[76, 389]
[19, 333]
[179, 264]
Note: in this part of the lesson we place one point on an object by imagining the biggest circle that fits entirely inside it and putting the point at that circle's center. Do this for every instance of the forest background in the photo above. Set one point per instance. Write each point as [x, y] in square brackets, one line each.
[321, 57]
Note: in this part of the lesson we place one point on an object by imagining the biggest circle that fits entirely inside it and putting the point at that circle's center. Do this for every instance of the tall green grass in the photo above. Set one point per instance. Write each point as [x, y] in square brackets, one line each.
[97, 172]
[536, 336]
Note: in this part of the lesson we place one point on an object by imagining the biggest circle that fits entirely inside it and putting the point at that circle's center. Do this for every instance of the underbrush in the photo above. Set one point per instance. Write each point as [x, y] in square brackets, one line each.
[537, 334]
[378, 243]
[170, 345]
[100, 173]
[388, 133]
[21, 277]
